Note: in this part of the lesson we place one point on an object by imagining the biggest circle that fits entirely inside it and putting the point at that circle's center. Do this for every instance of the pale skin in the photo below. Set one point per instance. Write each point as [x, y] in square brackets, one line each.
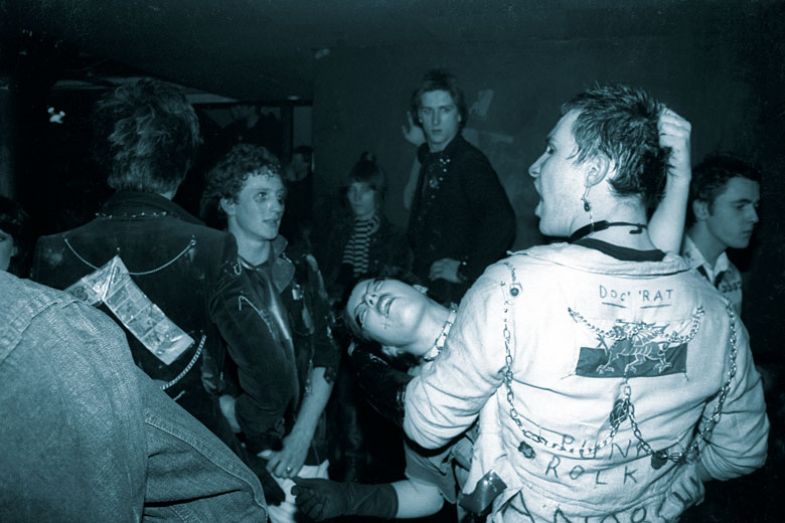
[368, 303]
[666, 225]
[414, 334]
[728, 221]
[253, 218]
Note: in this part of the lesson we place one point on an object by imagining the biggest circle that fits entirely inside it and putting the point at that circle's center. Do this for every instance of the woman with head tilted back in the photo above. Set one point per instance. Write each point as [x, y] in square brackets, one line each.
[397, 315]
[400, 318]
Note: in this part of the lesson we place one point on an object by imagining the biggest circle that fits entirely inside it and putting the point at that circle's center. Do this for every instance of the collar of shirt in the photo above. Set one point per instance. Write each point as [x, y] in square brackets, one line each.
[695, 258]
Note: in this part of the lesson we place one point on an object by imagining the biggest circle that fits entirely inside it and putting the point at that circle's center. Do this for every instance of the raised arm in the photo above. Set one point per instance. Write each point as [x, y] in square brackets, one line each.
[666, 226]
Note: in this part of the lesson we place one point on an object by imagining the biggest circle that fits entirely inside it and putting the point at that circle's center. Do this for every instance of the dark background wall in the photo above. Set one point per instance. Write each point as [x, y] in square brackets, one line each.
[362, 96]
[726, 80]
[720, 65]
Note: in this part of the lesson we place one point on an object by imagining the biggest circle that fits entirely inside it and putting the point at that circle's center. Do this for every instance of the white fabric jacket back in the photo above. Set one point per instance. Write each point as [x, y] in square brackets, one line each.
[587, 330]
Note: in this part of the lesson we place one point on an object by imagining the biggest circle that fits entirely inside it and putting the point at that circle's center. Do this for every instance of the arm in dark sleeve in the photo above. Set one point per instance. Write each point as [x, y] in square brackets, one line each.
[400, 256]
[383, 386]
[494, 216]
[326, 351]
[265, 366]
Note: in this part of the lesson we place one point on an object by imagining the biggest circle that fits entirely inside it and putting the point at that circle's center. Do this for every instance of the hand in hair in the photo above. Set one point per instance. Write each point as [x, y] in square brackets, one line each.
[675, 134]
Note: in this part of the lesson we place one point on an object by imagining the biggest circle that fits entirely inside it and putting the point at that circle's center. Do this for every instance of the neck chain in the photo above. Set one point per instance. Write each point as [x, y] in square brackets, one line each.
[601, 226]
[438, 345]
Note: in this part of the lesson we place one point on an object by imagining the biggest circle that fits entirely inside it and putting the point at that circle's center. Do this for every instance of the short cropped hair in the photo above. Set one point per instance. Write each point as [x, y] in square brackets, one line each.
[711, 176]
[152, 133]
[228, 177]
[439, 80]
[620, 122]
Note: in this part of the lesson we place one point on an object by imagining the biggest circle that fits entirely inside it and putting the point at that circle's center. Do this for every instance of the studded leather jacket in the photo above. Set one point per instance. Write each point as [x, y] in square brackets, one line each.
[608, 388]
[460, 211]
[287, 294]
[182, 266]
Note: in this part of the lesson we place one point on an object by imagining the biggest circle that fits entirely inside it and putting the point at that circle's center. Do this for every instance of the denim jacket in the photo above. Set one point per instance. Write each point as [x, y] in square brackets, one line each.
[611, 366]
[86, 436]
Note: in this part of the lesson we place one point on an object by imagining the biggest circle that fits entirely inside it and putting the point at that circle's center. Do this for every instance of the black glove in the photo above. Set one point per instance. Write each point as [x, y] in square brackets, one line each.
[322, 499]
[273, 493]
[383, 385]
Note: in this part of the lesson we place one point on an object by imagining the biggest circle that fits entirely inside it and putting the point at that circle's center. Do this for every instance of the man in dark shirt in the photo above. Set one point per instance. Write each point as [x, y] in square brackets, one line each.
[461, 218]
[284, 311]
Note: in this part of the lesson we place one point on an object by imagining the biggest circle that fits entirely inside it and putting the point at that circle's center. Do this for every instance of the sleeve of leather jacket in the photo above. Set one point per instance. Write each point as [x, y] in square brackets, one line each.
[265, 368]
[326, 352]
[445, 399]
[382, 385]
[495, 217]
[739, 441]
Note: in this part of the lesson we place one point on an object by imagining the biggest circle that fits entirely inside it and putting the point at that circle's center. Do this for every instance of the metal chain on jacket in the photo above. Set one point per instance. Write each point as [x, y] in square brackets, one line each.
[623, 408]
[191, 244]
[188, 367]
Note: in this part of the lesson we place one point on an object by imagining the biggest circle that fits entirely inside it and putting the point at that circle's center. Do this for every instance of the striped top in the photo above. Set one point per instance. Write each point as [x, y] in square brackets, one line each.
[357, 248]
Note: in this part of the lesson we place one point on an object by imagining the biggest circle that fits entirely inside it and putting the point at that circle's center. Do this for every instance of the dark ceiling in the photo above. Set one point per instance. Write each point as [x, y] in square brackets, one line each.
[264, 50]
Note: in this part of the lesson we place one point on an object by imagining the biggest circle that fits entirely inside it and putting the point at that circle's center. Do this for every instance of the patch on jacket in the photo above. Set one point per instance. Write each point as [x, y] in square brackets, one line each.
[636, 349]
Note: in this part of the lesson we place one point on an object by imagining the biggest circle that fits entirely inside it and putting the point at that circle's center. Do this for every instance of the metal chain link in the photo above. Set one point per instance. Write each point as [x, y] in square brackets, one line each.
[626, 408]
[706, 426]
[188, 367]
[191, 245]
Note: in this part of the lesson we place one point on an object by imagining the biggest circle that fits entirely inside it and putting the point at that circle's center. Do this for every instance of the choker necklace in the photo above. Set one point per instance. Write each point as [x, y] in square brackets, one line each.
[601, 226]
[438, 345]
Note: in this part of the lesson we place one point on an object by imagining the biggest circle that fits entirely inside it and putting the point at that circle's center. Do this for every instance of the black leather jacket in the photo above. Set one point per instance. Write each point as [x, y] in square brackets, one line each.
[182, 266]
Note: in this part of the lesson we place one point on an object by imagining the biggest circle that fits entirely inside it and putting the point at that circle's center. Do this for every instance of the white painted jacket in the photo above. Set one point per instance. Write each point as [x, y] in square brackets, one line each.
[582, 326]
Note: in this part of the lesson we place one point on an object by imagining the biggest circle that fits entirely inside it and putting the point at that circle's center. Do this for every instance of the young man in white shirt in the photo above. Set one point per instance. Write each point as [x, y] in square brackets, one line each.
[724, 196]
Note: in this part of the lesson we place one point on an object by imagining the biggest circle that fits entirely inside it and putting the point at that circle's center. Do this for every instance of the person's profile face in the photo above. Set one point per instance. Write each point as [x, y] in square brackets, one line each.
[559, 181]
[7, 250]
[387, 311]
[362, 200]
[732, 217]
[439, 117]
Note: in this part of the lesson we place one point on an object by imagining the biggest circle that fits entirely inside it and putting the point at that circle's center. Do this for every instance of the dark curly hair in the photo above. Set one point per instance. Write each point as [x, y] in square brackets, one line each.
[150, 134]
[711, 176]
[228, 177]
[620, 122]
[439, 80]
